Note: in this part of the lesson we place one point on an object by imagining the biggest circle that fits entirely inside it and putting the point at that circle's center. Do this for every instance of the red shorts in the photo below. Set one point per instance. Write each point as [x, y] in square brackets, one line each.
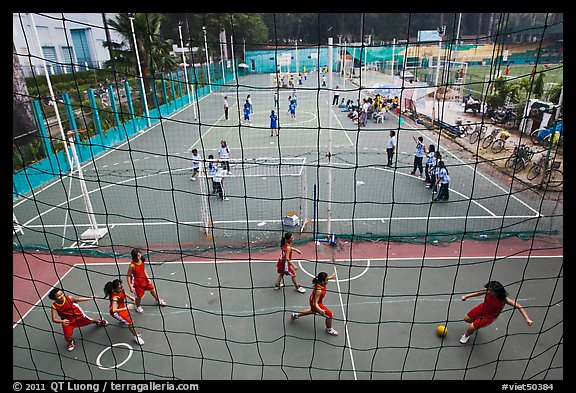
[324, 308]
[141, 287]
[480, 320]
[123, 316]
[281, 268]
[75, 323]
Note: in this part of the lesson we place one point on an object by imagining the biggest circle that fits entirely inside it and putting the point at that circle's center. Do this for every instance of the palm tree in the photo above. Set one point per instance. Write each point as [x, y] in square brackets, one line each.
[153, 49]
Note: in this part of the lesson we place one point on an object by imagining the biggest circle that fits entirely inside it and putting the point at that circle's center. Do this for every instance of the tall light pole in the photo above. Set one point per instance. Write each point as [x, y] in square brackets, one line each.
[441, 31]
[142, 86]
[207, 61]
[184, 61]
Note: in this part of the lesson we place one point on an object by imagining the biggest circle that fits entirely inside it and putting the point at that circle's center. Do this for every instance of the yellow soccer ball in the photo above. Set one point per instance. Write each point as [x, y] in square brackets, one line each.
[442, 331]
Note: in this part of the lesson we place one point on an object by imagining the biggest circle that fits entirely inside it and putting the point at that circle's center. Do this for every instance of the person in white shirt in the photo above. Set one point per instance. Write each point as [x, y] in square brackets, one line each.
[196, 159]
[391, 147]
[226, 107]
[224, 155]
[218, 183]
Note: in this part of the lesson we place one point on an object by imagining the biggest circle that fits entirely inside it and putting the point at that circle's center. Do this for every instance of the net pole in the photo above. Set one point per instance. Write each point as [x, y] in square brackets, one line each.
[330, 98]
[184, 61]
[222, 61]
[233, 58]
[204, 193]
[207, 62]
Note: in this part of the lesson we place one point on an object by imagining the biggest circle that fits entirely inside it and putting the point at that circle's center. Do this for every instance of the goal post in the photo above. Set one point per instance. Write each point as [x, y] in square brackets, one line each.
[270, 188]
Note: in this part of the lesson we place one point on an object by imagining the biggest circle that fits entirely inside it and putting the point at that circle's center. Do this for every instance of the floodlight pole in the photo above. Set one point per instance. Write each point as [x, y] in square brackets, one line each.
[184, 61]
[330, 99]
[222, 58]
[233, 59]
[131, 17]
[207, 61]
[440, 35]
[52, 97]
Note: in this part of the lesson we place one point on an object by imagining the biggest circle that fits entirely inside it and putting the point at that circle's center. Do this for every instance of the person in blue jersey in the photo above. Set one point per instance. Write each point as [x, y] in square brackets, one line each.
[292, 109]
[273, 123]
[419, 155]
[246, 113]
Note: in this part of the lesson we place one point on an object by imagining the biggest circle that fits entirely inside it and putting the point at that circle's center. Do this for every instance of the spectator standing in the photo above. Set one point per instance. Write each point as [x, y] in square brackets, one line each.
[336, 96]
[226, 107]
[418, 155]
[218, 183]
[224, 155]
[196, 159]
[430, 162]
[444, 181]
[391, 147]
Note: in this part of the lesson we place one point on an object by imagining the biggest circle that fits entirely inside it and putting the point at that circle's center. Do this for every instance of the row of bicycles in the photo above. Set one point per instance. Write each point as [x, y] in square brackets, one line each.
[545, 169]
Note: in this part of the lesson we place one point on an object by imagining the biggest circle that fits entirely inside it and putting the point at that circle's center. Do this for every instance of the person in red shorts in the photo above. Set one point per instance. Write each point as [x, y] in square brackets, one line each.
[285, 266]
[316, 306]
[488, 311]
[67, 312]
[114, 290]
[138, 280]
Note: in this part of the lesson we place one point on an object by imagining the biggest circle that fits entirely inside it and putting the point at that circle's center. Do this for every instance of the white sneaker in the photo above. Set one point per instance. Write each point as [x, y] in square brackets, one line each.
[301, 289]
[294, 316]
[193, 178]
[279, 286]
[331, 332]
[161, 302]
[139, 310]
[464, 339]
[138, 339]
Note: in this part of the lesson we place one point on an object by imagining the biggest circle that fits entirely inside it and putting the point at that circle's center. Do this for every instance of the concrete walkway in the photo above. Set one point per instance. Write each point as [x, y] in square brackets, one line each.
[450, 111]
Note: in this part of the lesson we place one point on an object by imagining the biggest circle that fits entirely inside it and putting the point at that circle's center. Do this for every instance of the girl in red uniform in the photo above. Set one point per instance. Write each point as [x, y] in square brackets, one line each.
[486, 312]
[66, 311]
[138, 280]
[285, 267]
[114, 290]
[316, 306]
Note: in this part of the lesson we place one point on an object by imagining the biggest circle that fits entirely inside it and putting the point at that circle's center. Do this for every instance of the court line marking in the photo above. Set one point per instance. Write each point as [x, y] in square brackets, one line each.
[130, 352]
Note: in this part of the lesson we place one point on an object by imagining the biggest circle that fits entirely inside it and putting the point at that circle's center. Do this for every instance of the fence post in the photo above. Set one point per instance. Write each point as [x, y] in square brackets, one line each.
[37, 110]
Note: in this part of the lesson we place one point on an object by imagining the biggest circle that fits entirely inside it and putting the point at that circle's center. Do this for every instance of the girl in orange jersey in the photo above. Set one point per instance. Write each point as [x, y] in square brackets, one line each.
[320, 282]
[285, 266]
[114, 290]
[138, 280]
[67, 312]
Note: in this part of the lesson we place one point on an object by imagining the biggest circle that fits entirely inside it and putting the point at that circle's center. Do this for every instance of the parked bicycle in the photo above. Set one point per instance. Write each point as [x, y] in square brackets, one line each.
[496, 140]
[542, 136]
[519, 159]
[477, 134]
[553, 177]
[465, 129]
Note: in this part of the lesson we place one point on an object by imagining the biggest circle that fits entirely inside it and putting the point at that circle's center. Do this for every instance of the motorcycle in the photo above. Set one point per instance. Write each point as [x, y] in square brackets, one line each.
[505, 117]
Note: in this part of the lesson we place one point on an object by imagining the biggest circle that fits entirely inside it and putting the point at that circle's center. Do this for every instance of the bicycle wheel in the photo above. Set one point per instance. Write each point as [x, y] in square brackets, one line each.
[534, 137]
[498, 146]
[534, 172]
[555, 178]
[514, 164]
[486, 142]
[474, 137]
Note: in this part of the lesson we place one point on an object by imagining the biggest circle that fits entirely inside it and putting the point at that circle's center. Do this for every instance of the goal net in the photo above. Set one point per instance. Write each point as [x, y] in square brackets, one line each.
[262, 192]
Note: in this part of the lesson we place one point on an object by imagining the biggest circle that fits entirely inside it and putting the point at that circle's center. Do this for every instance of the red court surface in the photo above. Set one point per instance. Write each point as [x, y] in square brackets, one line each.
[34, 274]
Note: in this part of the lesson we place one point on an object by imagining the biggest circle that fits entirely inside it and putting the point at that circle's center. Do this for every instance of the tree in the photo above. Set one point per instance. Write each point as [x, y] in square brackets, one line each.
[539, 86]
[153, 48]
[22, 118]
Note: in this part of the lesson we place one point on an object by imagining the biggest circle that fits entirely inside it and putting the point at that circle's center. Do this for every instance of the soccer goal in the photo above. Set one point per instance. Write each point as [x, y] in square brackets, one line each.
[260, 190]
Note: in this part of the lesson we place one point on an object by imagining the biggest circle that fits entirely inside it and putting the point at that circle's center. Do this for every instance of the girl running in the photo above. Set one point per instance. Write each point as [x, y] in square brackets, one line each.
[316, 306]
[484, 314]
[285, 266]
